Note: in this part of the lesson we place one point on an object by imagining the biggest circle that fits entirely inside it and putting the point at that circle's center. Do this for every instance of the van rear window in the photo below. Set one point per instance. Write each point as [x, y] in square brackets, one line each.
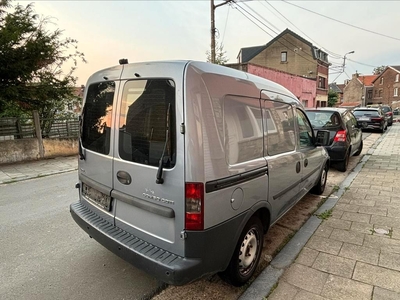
[147, 122]
[97, 117]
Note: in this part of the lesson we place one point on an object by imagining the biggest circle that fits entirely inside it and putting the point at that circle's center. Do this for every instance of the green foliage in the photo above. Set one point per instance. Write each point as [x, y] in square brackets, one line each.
[325, 215]
[378, 70]
[220, 54]
[332, 98]
[31, 64]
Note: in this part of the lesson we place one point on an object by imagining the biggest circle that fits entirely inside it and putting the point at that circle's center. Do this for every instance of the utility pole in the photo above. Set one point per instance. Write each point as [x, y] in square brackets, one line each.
[213, 7]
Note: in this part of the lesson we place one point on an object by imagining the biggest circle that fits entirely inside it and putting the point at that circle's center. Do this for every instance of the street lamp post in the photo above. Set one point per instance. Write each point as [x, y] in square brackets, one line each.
[213, 7]
[344, 59]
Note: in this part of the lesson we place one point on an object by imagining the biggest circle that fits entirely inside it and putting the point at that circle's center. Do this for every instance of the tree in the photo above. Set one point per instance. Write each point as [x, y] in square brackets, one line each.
[332, 98]
[31, 63]
[379, 70]
[220, 54]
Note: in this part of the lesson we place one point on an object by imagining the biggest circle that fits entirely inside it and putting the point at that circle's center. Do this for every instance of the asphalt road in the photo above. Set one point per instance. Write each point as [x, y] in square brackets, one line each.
[45, 255]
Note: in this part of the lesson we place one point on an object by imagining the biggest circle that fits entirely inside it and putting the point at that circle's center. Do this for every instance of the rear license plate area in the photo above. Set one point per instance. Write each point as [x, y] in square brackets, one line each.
[96, 197]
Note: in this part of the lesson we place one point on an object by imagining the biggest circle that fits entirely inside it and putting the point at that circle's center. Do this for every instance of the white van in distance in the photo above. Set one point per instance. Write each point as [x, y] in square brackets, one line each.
[185, 165]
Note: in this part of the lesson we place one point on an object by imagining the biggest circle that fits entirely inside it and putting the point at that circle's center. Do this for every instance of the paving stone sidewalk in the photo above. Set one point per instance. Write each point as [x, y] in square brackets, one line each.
[39, 168]
[355, 252]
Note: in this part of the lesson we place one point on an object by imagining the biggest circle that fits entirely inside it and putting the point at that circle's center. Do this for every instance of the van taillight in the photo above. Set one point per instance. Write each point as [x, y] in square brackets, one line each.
[340, 136]
[194, 201]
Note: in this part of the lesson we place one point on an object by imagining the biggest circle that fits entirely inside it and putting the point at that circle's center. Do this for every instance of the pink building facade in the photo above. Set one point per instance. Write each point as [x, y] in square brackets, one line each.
[305, 89]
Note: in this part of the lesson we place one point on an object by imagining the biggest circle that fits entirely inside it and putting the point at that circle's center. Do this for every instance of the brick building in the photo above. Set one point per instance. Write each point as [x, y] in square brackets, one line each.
[290, 53]
[358, 90]
[303, 88]
[386, 87]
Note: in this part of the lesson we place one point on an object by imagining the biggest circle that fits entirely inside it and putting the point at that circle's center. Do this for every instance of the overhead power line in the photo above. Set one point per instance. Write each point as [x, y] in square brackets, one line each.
[348, 24]
[360, 63]
[332, 54]
[241, 8]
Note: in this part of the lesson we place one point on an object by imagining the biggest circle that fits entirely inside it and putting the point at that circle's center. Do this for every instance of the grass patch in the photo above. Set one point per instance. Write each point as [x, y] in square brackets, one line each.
[335, 189]
[325, 215]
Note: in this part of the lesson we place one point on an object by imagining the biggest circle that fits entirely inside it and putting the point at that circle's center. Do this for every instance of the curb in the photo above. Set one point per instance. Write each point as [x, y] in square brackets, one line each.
[262, 286]
[40, 175]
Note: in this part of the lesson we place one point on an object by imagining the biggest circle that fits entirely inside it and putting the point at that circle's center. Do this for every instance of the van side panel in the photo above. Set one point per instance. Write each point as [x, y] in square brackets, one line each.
[208, 149]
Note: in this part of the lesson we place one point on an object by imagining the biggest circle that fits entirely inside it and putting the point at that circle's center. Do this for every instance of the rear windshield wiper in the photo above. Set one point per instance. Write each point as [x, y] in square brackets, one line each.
[81, 153]
[159, 179]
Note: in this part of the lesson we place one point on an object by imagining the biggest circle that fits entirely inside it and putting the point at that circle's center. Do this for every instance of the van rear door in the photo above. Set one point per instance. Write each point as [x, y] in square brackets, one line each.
[95, 145]
[148, 178]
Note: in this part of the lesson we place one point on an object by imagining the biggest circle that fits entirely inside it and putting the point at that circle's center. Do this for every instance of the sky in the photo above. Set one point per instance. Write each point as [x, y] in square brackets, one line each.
[163, 30]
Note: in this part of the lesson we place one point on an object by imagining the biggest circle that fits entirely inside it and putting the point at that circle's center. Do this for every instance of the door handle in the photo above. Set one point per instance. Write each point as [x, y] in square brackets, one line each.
[124, 177]
[298, 167]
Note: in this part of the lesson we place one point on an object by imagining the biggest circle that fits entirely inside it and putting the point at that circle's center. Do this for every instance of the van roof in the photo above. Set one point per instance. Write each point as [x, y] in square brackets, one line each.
[115, 73]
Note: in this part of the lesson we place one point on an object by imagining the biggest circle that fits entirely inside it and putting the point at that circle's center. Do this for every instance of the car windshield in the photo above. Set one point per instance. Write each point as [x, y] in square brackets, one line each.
[323, 119]
[359, 113]
[385, 109]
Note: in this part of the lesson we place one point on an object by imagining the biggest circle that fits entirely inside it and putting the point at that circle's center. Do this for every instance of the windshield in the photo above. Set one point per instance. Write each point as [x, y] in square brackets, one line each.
[143, 122]
[359, 113]
[385, 109]
[324, 119]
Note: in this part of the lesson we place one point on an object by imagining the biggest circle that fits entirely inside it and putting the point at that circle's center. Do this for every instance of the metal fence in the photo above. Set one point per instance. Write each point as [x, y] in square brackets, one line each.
[18, 128]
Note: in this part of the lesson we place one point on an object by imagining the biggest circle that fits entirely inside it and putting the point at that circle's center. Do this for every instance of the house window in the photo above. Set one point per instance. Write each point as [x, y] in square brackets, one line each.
[397, 77]
[396, 92]
[369, 96]
[305, 103]
[380, 93]
[381, 80]
[283, 56]
[321, 82]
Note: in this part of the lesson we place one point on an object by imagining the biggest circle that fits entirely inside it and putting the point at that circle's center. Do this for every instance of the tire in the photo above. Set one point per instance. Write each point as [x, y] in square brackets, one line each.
[319, 188]
[246, 255]
[382, 129]
[342, 166]
[359, 149]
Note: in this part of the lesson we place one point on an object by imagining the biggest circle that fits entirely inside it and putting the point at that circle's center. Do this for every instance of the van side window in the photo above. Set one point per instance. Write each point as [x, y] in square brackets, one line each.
[243, 129]
[305, 130]
[147, 111]
[97, 117]
[280, 130]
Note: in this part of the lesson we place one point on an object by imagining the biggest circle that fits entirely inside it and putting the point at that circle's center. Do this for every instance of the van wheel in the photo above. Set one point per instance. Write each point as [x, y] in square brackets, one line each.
[247, 254]
[359, 149]
[319, 188]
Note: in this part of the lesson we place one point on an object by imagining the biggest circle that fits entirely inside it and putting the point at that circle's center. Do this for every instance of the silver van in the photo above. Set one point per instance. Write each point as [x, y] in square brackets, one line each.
[185, 165]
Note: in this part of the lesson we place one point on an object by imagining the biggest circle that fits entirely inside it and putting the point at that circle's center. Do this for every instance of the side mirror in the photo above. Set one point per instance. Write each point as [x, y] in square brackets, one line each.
[322, 138]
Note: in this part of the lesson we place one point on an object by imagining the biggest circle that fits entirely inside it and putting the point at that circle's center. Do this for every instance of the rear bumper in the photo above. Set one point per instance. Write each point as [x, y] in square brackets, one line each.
[337, 153]
[373, 126]
[157, 262]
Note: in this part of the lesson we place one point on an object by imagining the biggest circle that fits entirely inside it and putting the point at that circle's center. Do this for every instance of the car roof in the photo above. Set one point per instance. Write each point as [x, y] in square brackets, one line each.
[337, 109]
[366, 108]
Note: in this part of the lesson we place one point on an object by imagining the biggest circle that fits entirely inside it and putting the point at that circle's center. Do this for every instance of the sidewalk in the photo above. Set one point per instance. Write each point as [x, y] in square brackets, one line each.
[354, 251]
[39, 168]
